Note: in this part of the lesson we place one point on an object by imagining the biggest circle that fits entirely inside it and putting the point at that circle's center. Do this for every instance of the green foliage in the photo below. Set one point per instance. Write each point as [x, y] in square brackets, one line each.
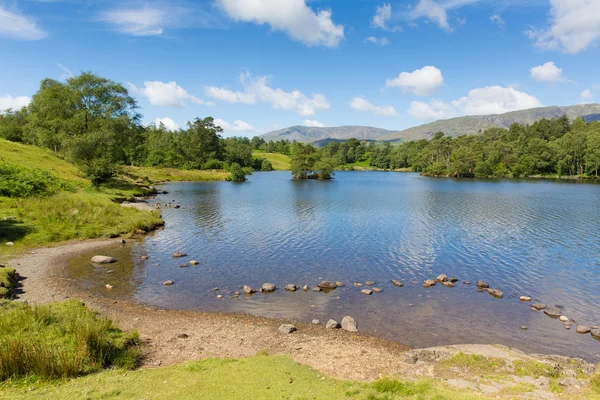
[266, 165]
[238, 173]
[474, 364]
[8, 281]
[213, 164]
[22, 182]
[59, 341]
[12, 123]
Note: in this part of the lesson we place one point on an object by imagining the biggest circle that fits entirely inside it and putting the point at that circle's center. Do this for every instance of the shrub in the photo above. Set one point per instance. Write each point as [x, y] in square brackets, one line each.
[59, 341]
[21, 182]
[213, 164]
[266, 165]
[238, 174]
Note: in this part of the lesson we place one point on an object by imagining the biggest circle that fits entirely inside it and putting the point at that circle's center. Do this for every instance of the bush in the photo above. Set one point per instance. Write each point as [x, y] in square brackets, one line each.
[213, 164]
[8, 281]
[238, 174]
[21, 182]
[59, 341]
[266, 165]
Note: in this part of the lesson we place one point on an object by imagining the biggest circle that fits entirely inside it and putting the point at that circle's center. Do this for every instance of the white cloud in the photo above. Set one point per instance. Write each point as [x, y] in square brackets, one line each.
[587, 96]
[66, 72]
[383, 14]
[547, 72]
[432, 11]
[498, 20]
[257, 89]
[574, 26]
[146, 21]
[168, 123]
[381, 41]
[238, 126]
[17, 26]
[480, 101]
[313, 123]
[292, 16]
[168, 94]
[421, 82]
[14, 103]
[360, 104]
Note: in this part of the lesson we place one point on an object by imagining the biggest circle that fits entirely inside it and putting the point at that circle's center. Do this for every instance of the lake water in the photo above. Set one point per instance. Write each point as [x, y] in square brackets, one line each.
[535, 238]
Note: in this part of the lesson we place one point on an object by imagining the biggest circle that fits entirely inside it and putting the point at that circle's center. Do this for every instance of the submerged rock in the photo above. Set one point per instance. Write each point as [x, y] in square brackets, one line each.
[249, 290]
[525, 298]
[291, 287]
[349, 324]
[143, 258]
[453, 279]
[367, 291]
[466, 282]
[332, 324]
[483, 285]
[327, 285]
[397, 283]
[316, 289]
[377, 290]
[370, 283]
[442, 278]
[538, 306]
[428, 283]
[339, 284]
[448, 284]
[103, 260]
[553, 312]
[269, 287]
[168, 283]
[496, 293]
[357, 284]
[583, 329]
[178, 254]
[183, 265]
[596, 333]
[287, 328]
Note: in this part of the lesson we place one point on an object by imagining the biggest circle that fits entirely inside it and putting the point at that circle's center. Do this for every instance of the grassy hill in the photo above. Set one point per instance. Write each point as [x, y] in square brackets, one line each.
[74, 209]
[281, 162]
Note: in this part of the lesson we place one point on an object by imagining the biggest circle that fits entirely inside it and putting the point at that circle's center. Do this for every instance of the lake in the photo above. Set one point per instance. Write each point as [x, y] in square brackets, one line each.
[534, 238]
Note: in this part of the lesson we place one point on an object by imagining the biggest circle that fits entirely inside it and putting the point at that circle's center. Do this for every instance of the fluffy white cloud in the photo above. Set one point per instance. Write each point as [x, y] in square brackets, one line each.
[421, 82]
[168, 94]
[17, 26]
[237, 126]
[14, 103]
[360, 104]
[383, 14]
[313, 123]
[168, 123]
[547, 72]
[574, 26]
[498, 20]
[381, 41]
[292, 16]
[257, 89]
[587, 96]
[432, 11]
[480, 101]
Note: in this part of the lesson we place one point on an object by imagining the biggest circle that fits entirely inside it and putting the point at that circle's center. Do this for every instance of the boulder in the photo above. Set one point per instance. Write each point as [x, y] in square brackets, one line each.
[103, 260]
[563, 318]
[194, 262]
[377, 290]
[448, 284]
[331, 324]
[583, 329]
[442, 278]
[287, 328]
[316, 322]
[249, 290]
[327, 285]
[268, 287]
[483, 285]
[495, 292]
[596, 333]
[553, 312]
[349, 324]
[178, 254]
[428, 283]
[366, 291]
[525, 298]
[291, 287]
[453, 279]
[369, 283]
[397, 283]
[538, 306]
[339, 284]
[168, 283]
[357, 284]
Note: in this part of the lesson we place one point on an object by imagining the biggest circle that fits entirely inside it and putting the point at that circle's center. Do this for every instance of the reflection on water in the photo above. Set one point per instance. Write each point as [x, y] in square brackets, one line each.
[534, 238]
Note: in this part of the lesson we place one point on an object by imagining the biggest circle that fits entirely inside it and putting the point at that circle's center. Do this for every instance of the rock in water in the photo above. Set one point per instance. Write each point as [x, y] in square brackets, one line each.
[553, 312]
[194, 262]
[287, 328]
[316, 289]
[483, 285]
[563, 318]
[349, 324]
[339, 284]
[103, 260]
[496, 293]
[366, 291]
[538, 306]
[428, 283]
[377, 290]
[442, 278]
[397, 283]
[327, 285]
[168, 283]
[583, 329]
[178, 254]
[144, 258]
[331, 324]
[596, 333]
[453, 279]
[316, 322]
[357, 284]
[108, 286]
[268, 287]
[448, 284]
[525, 298]
[249, 290]
[369, 283]
[291, 287]
[305, 288]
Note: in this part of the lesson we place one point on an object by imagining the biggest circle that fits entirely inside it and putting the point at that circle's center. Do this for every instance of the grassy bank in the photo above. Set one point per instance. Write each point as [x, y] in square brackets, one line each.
[77, 210]
[259, 377]
[280, 162]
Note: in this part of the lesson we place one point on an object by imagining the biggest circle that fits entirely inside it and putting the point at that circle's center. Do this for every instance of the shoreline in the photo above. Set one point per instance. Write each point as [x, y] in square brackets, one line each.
[175, 336]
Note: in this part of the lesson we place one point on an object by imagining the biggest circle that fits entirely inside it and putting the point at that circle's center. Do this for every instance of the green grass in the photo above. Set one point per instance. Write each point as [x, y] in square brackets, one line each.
[473, 364]
[281, 162]
[59, 341]
[8, 281]
[259, 377]
[155, 175]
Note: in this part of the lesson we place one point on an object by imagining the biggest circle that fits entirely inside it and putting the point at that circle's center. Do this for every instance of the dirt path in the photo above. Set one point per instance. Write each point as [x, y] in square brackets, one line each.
[176, 336]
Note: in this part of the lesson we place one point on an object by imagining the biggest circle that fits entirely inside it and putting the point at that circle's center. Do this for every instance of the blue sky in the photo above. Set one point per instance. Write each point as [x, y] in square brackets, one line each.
[260, 65]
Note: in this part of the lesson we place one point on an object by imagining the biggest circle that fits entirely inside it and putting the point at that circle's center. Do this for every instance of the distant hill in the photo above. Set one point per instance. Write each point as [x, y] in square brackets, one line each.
[472, 124]
[452, 127]
[308, 134]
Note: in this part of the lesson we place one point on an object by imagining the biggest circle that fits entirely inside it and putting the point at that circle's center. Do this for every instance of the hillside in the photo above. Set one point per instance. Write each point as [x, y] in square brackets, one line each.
[308, 134]
[473, 124]
[280, 162]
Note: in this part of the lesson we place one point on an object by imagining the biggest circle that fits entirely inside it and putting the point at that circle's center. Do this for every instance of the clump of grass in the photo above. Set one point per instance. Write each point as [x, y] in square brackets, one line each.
[535, 369]
[473, 364]
[8, 281]
[595, 382]
[402, 389]
[518, 389]
[17, 181]
[59, 341]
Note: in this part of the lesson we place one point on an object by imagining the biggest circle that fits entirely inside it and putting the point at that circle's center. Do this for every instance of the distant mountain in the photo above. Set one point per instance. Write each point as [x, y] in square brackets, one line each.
[311, 134]
[473, 124]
